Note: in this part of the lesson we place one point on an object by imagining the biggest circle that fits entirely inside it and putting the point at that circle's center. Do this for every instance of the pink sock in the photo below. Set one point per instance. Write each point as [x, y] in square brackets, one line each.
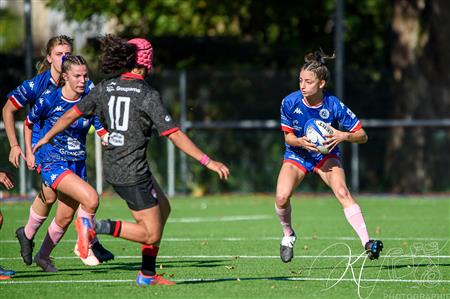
[285, 219]
[54, 234]
[83, 213]
[356, 220]
[34, 223]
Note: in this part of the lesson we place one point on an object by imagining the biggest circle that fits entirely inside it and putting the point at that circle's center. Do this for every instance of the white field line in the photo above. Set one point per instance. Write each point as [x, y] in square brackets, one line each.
[238, 239]
[200, 280]
[246, 257]
[203, 219]
[253, 218]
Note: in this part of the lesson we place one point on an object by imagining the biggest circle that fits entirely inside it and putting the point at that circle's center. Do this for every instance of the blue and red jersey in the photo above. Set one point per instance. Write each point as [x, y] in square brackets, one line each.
[30, 91]
[295, 112]
[69, 145]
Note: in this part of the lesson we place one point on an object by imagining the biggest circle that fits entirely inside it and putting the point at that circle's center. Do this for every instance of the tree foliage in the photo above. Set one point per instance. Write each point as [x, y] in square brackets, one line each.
[395, 58]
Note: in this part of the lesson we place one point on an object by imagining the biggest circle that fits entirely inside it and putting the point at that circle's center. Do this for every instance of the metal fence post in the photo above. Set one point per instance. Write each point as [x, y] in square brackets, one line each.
[170, 168]
[355, 167]
[22, 171]
[98, 165]
[183, 162]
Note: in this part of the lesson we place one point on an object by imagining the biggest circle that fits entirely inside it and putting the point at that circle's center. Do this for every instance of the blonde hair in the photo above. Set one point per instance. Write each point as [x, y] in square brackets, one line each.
[43, 65]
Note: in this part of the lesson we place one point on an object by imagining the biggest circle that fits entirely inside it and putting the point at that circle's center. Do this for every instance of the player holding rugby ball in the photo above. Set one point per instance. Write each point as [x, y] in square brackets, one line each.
[303, 156]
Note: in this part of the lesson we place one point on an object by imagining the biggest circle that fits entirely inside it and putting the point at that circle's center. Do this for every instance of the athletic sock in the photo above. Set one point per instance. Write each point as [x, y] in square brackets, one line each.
[149, 254]
[34, 223]
[356, 220]
[54, 235]
[108, 227]
[83, 214]
[285, 219]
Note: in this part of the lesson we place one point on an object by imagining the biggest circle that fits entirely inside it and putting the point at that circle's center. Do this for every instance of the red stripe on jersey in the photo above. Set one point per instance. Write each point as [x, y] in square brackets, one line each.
[326, 158]
[61, 176]
[168, 132]
[101, 132]
[15, 103]
[286, 129]
[301, 167]
[356, 127]
[75, 108]
[28, 123]
[38, 169]
[130, 76]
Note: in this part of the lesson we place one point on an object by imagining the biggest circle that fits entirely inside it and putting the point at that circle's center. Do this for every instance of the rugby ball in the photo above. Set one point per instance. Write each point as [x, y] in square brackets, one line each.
[315, 130]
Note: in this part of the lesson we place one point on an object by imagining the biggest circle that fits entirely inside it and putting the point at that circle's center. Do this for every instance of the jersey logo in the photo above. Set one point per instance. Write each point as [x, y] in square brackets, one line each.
[324, 113]
[350, 113]
[298, 111]
[116, 139]
[128, 89]
[110, 88]
[294, 157]
[73, 144]
[58, 108]
[31, 84]
[167, 118]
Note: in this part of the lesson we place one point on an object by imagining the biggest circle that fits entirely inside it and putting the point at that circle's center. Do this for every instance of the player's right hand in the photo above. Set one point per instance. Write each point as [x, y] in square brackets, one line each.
[40, 143]
[307, 145]
[6, 180]
[14, 155]
[31, 161]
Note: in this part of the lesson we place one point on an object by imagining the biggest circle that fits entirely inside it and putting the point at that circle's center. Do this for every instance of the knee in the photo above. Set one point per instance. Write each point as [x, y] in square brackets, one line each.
[152, 237]
[282, 199]
[342, 192]
[48, 198]
[91, 201]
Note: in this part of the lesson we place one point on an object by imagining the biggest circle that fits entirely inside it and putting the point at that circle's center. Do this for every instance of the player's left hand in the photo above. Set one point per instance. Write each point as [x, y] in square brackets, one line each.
[334, 139]
[105, 139]
[220, 168]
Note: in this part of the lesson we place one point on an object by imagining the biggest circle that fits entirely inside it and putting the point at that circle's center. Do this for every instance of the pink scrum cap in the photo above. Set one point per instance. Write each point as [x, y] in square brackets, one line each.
[144, 53]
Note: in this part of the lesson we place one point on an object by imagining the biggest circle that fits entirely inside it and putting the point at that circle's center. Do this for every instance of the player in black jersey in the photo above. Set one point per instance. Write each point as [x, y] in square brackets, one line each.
[128, 107]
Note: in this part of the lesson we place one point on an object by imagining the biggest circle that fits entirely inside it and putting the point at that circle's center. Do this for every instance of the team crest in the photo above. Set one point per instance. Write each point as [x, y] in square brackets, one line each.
[324, 113]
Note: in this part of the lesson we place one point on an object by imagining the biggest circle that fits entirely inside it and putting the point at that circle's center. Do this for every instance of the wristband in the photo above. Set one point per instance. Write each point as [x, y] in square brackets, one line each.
[205, 160]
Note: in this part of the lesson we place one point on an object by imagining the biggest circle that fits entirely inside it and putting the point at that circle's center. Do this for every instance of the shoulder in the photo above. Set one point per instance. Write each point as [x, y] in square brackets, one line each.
[51, 97]
[150, 92]
[42, 78]
[333, 101]
[292, 100]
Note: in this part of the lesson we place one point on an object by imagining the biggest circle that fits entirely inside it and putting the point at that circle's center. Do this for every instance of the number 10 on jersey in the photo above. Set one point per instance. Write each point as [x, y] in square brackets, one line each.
[119, 110]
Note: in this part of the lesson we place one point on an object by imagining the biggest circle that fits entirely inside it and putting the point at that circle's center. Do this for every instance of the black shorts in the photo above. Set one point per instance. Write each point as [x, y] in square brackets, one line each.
[140, 196]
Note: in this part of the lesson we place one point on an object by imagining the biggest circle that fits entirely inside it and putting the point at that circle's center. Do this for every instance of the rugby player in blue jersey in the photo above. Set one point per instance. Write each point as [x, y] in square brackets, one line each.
[27, 94]
[128, 108]
[63, 163]
[302, 157]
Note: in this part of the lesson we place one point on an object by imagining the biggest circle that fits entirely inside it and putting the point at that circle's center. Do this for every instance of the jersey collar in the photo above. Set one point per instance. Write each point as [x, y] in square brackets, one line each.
[130, 76]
